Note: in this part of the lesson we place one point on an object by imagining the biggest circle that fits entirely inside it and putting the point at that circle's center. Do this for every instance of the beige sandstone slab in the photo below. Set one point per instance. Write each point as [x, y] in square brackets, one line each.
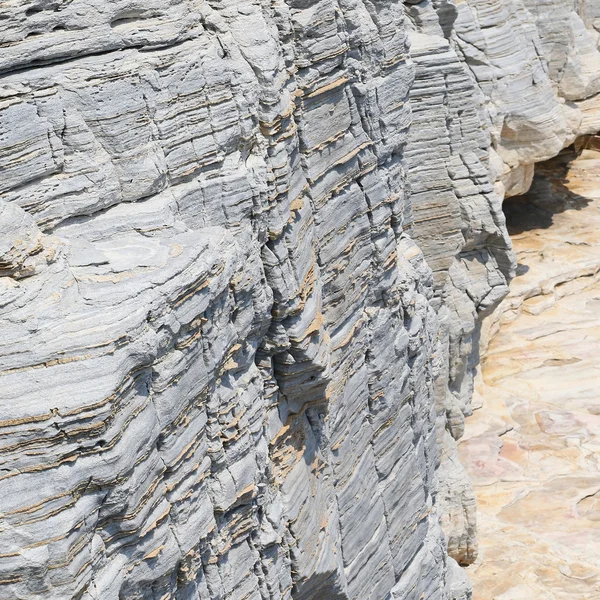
[533, 450]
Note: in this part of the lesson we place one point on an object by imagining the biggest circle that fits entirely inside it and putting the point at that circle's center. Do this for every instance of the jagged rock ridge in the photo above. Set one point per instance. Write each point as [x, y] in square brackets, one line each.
[246, 247]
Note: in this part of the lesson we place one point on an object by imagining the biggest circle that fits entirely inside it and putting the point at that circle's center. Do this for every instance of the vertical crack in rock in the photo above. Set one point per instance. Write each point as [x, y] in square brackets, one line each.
[245, 251]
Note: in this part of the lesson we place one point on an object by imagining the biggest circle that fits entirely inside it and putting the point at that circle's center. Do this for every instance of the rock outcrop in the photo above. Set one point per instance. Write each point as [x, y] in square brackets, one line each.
[483, 70]
[246, 250]
[531, 449]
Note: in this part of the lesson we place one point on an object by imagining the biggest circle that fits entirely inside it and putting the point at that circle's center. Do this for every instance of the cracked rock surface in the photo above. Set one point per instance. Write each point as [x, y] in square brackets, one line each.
[245, 251]
[531, 450]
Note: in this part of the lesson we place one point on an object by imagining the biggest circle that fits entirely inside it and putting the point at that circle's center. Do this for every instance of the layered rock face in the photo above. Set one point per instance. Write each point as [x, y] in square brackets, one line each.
[491, 70]
[246, 249]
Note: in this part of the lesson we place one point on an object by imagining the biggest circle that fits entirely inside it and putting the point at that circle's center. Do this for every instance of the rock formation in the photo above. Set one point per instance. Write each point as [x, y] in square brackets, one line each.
[492, 80]
[246, 247]
[531, 449]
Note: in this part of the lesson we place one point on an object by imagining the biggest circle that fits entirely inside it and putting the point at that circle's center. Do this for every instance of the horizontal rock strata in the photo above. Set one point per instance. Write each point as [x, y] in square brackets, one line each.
[245, 252]
[494, 79]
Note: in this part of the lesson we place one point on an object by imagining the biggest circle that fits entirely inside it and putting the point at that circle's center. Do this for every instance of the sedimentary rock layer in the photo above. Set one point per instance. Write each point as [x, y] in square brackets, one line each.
[532, 447]
[493, 81]
[245, 251]
[217, 334]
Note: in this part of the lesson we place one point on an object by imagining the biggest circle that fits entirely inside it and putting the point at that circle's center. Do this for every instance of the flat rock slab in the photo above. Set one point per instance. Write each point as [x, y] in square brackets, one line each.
[533, 450]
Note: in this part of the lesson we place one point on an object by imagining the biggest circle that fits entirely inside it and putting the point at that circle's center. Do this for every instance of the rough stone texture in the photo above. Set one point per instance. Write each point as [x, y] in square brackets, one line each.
[537, 64]
[532, 448]
[217, 345]
[241, 296]
[458, 221]
[495, 75]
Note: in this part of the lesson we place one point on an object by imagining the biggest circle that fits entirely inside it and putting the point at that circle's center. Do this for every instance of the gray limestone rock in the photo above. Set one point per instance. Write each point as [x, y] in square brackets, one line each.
[489, 100]
[245, 251]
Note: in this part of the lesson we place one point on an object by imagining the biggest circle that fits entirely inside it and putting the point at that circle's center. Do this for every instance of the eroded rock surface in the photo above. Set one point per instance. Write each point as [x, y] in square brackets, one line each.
[532, 448]
[245, 252]
[493, 79]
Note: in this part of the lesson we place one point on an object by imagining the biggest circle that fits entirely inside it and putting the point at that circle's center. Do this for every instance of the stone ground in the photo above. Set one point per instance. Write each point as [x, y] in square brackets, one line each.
[533, 450]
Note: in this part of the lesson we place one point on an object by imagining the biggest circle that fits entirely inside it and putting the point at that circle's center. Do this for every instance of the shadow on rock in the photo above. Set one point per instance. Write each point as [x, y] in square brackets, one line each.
[548, 196]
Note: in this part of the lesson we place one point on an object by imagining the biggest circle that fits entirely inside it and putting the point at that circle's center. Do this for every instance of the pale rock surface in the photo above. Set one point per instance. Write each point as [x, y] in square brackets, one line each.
[217, 331]
[503, 87]
[242, 295]
[537, 63]
[458, 221]
[532, 449]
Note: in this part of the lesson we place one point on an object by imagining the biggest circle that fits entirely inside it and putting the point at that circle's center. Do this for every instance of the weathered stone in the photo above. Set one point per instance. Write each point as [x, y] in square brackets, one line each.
[246, 248]
[532, 449]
